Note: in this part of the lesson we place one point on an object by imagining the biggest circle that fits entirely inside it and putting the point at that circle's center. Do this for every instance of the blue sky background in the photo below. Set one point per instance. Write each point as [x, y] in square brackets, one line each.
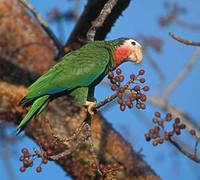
[140, 18]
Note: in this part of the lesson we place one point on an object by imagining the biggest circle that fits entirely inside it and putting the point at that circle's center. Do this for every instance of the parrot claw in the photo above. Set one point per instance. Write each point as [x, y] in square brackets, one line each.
[90, 106]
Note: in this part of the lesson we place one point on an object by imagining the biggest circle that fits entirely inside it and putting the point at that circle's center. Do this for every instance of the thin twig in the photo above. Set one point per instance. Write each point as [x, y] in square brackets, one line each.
[98, 22]
[183, 150]
[72, 149]
[196, 145]
[77, 8]
[43, 24]
[75, 134]
[187, 24]
[182, 74]
[155, 66]
[183, 40]
[159, 72]
[92, 149]
[186, 153]
[112, 97]
[105, 101]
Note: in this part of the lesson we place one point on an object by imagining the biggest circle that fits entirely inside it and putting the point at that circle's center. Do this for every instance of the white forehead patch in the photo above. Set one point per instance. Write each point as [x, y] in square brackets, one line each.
[131, 42]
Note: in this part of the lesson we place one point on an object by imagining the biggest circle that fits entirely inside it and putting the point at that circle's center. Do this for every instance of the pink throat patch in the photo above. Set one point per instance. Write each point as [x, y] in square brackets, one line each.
[121, 53]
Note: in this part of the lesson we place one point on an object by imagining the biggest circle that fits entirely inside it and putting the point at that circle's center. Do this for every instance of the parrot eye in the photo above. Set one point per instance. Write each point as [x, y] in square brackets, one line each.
[133, 43]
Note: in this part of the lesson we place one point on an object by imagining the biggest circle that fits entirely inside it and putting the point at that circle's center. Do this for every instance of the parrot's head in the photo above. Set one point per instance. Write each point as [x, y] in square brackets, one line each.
[126, 49]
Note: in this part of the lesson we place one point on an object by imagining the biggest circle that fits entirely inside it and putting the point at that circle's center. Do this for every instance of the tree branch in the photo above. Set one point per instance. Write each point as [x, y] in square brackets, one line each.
[186, 153]
[90, 13]
[187, 24]
[183, 40]
[43, 24]
[182, 74]
[98, 22]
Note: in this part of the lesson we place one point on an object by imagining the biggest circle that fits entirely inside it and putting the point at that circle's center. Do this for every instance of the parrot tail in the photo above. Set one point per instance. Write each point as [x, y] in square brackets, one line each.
[37, 107]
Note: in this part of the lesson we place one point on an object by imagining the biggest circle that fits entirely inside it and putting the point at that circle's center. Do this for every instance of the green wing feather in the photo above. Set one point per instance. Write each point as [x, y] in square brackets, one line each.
[35, 110]
[77, 69]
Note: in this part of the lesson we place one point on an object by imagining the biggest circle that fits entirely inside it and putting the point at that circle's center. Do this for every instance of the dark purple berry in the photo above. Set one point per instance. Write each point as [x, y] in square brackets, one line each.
[22, 169]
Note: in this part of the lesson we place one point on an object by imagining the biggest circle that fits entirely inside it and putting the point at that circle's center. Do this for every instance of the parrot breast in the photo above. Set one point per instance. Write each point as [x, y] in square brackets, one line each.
[121, 53]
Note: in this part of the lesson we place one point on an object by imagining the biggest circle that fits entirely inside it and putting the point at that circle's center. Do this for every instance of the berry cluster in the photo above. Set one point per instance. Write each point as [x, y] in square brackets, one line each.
[136, 96]
[109, 171]
[159, 133]
[27, 159]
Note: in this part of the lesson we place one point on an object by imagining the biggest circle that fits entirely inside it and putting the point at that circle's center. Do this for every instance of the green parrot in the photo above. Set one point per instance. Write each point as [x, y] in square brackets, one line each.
[77, 72]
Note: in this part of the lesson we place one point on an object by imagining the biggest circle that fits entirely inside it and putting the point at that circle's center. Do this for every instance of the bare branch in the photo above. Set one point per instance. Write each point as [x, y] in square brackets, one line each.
[186, 153]
[90, 13]
[174, 10]
[187, 24]
[98, 22]
[156, 67]
[65, 140]
[196, 146]
[71, 149]
[105, 101]
[43, 24]
[156, 44]
[183, 73]
[183, 40]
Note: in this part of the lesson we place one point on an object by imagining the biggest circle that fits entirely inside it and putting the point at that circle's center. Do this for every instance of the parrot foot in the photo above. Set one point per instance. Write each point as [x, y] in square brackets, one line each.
[90, 106]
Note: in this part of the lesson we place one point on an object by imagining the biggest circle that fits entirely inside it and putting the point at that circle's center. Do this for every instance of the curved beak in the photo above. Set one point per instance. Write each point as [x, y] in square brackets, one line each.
[137, 55]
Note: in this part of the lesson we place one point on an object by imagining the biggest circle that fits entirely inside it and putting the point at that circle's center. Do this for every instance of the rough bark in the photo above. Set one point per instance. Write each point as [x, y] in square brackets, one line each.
[22, 40]
[31, 51]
